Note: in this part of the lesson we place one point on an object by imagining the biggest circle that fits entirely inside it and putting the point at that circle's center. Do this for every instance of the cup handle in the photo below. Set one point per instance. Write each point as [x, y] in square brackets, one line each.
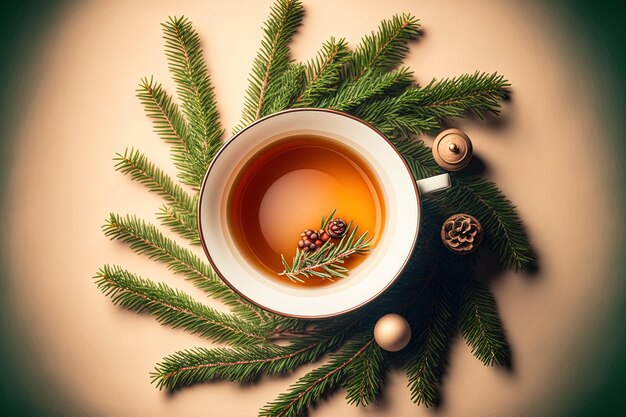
[433, 184]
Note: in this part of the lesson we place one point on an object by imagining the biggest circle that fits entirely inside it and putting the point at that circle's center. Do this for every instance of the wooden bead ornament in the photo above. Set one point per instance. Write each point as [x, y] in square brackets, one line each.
[392, 332]
[452, 149]
[462, 233]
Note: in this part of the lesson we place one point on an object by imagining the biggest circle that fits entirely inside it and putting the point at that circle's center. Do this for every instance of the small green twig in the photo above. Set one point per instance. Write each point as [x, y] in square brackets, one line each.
[326, 261]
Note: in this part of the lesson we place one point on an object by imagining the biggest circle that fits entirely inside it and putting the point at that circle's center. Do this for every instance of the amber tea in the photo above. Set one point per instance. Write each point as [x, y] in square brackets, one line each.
[287, 187]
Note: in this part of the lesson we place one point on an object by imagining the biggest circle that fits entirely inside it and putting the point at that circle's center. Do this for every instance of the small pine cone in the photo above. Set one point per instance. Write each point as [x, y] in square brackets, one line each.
[461, 233]
[310, 240]
[337, 228]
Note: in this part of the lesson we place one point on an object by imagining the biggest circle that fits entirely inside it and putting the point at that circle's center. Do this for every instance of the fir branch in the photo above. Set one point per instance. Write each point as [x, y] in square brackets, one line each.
[139, 168]
[364, 382]
[286, 327]
[421, 109]
[193, 84]
[319, 382]
[145, 238]
[271, 60]
[472, 194]
[180, 212]
[171, 126]
[326, 261]
[383, 50]
[419, 158]
[368, 87]
[182, 223]
[323, 72]
[243, 364]
[175, 308]
[480, 324]
[290, 85]
[425, 357]
[479, 93]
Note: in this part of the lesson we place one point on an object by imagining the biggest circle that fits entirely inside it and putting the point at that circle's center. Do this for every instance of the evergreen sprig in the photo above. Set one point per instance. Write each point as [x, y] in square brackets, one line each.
[243, 364]
[366, 378]
[144, 238]
[290, 85]
[171, 126]
[425, 356]
[136, 164]
[326, 262]
[180, 221]
[272, 59]
[323, 72]
[480, 324]
[193, 85]
[319, 382]
[421, 109]
[175, 308]
[438, 293]
[180, 210]
[383, 50]
[369, 87]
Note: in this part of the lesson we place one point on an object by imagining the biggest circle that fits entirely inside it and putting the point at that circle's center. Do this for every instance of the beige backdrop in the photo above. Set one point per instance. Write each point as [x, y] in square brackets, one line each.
[97, 357]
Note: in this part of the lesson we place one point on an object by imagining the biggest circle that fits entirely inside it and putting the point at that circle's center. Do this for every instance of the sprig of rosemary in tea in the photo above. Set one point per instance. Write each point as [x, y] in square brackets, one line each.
[326, 262]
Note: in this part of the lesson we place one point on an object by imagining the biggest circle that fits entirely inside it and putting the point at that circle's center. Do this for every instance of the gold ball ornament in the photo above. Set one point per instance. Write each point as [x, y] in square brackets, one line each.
[461, 233]
[392, 332]
[452, 149]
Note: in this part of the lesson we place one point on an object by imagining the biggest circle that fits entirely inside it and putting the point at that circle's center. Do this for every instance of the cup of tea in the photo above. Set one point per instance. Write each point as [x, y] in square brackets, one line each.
[276, 179]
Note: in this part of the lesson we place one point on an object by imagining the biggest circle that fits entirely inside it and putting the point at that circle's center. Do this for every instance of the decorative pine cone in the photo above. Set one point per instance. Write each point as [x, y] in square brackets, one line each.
[336, 228]
[461, 233]
[311, 240]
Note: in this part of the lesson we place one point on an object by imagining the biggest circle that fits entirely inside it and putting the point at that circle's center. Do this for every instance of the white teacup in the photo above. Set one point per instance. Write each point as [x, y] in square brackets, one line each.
[364, 283]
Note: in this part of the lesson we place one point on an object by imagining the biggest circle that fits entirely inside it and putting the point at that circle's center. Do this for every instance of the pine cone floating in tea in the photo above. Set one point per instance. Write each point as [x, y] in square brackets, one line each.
[461, 233]
[310, 240]
[336, 228]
